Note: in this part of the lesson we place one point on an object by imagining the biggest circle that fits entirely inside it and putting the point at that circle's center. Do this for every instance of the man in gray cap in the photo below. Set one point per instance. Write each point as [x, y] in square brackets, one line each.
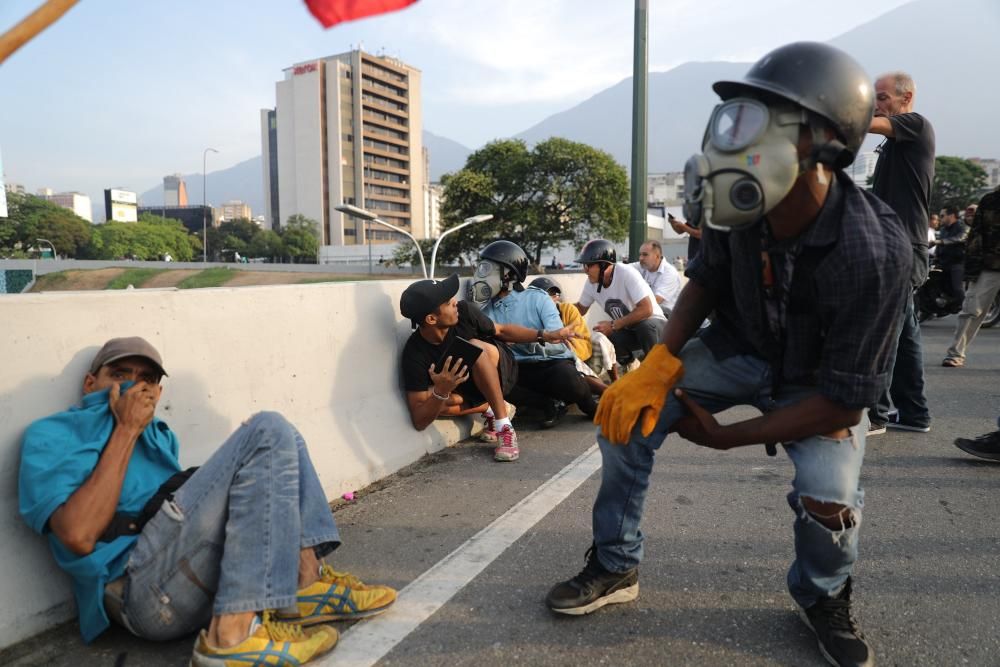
[233, 545]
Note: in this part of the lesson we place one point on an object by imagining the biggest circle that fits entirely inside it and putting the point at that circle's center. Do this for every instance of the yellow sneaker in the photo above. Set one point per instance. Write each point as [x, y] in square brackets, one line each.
[338, 596]
[270, 643]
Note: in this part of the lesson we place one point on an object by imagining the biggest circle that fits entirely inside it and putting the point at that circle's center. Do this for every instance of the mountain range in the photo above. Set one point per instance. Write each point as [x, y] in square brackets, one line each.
[948, 46]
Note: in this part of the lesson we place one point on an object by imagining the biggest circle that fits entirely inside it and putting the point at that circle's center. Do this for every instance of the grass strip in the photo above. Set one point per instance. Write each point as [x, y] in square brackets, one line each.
[133, 277]
[50, 281]
[213, 277]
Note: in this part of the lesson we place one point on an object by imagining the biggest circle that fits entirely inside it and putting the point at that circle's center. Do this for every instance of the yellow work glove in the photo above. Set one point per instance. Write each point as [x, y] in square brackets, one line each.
[639, 394]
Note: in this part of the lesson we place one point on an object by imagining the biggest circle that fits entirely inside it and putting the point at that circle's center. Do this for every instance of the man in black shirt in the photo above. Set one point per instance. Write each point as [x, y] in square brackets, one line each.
[433, 368]
[903, 177]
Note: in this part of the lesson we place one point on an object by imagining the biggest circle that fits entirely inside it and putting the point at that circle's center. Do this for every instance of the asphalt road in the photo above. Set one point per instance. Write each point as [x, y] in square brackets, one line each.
[712, 587]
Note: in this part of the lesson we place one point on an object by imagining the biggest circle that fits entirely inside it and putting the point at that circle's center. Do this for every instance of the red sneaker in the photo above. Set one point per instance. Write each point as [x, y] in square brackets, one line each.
[506, 445]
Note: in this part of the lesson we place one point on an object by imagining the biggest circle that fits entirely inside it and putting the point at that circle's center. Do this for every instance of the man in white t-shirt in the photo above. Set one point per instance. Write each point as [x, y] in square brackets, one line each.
[636, 322]
[661, 276]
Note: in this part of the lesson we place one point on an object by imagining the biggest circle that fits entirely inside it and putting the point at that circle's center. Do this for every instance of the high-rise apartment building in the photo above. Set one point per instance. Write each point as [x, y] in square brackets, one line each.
[233, 209]
[174, 191]
[346, 128]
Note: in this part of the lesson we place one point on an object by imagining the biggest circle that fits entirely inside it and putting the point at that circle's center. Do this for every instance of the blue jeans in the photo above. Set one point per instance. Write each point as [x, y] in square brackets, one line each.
[907, 387]
[230, 539]
[826, 469]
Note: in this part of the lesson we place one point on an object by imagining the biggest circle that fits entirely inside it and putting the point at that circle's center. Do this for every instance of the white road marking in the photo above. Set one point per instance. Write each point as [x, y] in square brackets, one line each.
[369, 641]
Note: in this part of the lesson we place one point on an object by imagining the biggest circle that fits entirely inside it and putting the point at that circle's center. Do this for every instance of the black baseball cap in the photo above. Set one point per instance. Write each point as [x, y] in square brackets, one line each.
[424, 296]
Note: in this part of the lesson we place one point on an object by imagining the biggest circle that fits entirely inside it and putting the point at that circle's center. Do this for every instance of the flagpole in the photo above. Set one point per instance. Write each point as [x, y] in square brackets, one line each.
[33, 24]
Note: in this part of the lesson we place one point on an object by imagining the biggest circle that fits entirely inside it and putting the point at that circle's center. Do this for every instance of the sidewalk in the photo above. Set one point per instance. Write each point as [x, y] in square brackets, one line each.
[718, 544]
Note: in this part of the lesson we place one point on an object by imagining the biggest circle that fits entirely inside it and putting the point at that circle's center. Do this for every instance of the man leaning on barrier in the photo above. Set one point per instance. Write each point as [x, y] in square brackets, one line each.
[235, 545]
[791, 255]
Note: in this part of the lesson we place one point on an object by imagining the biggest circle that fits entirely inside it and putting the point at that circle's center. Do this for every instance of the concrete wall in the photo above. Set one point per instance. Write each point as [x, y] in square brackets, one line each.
[324, 355]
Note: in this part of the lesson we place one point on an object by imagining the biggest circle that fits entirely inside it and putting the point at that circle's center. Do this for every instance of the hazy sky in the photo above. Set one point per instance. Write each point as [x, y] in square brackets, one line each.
[121, 92]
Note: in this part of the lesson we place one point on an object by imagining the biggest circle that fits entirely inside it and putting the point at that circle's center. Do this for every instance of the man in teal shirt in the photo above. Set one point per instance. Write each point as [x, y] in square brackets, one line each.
[103, 483]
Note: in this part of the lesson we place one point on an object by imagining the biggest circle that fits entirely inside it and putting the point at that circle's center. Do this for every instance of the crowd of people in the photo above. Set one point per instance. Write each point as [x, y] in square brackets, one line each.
[779, 312]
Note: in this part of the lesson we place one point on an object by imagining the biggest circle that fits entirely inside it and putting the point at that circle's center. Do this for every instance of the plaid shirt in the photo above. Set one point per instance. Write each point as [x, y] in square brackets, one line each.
[840, 299]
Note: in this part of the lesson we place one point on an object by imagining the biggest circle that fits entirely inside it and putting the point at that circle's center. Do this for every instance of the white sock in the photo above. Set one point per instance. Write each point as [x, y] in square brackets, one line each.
[489, 412]
[498, 423]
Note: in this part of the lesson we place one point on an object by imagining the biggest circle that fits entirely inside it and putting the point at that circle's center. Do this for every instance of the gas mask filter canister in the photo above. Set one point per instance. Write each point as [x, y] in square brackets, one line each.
[487, 281]
[749, 162]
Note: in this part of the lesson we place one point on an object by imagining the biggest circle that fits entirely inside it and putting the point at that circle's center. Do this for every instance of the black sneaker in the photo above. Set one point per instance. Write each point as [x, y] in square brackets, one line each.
[837, 633]
[593, 588]
[554, 411]
[985, 446]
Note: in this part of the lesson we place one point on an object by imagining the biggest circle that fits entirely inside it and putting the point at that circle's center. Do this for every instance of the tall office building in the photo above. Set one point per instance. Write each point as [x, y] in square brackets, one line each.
[174, 191]
[77, 202]
[346, 128]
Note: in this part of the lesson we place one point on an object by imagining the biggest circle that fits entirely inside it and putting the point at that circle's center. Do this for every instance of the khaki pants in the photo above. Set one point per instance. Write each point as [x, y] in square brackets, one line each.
[978, 300]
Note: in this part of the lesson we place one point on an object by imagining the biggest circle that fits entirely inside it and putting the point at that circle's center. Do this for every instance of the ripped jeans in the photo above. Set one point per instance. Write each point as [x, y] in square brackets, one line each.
[229, 541]
[826, 469]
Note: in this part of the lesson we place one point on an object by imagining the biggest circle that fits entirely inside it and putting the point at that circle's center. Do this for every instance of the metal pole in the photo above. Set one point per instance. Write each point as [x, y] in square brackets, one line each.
[640, 73]
[204, 204]
[368, 240]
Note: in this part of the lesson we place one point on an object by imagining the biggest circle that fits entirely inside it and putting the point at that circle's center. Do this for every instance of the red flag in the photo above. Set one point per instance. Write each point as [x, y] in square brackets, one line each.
[332, 12]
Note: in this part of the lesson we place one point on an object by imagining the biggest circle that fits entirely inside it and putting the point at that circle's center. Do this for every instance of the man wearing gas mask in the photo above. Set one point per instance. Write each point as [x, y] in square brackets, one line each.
[792, 252]
[547, 378]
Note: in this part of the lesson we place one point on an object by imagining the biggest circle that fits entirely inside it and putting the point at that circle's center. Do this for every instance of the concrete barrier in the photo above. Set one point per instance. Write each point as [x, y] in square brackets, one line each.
[324, 355]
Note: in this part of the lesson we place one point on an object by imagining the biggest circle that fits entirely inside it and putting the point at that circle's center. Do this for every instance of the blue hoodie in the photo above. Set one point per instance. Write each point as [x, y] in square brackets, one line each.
[58, 454]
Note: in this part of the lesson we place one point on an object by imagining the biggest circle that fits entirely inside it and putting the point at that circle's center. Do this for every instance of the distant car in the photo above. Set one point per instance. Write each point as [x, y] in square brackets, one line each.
[573, 265]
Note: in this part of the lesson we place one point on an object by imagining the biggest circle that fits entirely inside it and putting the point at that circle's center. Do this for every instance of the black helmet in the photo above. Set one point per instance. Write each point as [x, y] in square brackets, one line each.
[819, 78]
[545, 284]
[598, 251]
[508, 254]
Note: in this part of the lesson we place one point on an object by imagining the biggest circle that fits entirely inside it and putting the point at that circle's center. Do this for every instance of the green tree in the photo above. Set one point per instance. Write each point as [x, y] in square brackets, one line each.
[231, 235]
[266, 243]
[31, 218]
[151, 238]
[300, 240]
[560, 191]
[957, 182]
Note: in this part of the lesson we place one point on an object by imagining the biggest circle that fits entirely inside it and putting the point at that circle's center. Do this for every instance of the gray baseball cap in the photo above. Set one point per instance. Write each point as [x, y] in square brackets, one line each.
[119, 348]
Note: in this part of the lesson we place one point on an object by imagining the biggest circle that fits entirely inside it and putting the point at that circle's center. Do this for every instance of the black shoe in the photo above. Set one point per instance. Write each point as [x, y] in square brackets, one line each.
[593, 588]
[554, 412]
[837, 633]
[985, 446]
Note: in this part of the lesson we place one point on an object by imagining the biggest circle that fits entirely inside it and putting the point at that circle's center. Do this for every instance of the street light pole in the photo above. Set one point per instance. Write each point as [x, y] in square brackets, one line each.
[357, 212]
[368, 240]
[468, 221]
[204, 204]
[50, 245]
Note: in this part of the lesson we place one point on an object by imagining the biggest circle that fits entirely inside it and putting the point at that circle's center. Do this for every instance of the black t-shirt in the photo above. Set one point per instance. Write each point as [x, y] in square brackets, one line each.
[903, 177]
[419, 354]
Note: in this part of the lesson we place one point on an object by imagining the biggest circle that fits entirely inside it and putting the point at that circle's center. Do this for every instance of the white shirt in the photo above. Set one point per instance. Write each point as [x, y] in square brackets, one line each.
[620, 298]
[665, 281]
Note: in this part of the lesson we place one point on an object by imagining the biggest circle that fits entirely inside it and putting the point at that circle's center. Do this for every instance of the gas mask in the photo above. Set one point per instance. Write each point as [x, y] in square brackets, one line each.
[749, 162]
[487, 281]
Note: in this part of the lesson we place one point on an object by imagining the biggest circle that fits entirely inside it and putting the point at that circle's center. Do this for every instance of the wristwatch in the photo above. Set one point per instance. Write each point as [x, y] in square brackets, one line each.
[541, 336]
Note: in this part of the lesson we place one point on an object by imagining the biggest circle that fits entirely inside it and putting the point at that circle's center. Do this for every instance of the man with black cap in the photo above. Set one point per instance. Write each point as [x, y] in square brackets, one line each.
[435, 361]
[234, 545]
[792, 254]
[433, 371]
